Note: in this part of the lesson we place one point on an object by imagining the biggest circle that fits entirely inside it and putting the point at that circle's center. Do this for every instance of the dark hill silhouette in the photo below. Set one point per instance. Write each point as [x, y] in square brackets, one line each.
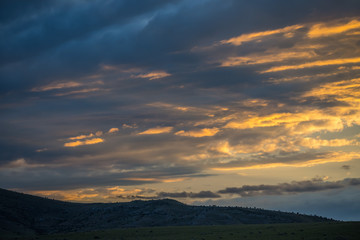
[22, 213]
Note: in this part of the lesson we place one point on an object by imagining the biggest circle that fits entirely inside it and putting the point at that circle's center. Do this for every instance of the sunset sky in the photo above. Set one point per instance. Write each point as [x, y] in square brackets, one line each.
[226, 102]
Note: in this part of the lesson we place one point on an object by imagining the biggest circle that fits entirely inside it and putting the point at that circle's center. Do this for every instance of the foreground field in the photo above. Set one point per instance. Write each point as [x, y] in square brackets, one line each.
[308, 231]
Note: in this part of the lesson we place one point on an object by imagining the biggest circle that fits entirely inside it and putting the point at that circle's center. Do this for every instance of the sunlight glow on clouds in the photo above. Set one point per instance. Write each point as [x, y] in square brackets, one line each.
[154, 75]
[259, 35]
[113, 130]
[328, 158]
[261, 59]
[205, 132]
[156, 130]
[319, 63]
[81, 137]
[324, 30]
[84, 142]
[111, 111]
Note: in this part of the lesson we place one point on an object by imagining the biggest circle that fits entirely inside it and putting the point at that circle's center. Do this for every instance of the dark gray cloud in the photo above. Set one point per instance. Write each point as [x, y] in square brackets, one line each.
[313, 185]
[60, 39]
[201, 194]
[294, 187]
[340, 204]
[346, 167]
[181, 195]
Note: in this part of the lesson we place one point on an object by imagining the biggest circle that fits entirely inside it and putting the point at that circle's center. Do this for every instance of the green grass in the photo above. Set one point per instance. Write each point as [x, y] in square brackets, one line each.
[308, 231]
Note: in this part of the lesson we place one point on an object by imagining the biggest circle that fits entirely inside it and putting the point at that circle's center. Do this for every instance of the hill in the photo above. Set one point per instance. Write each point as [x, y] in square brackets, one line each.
[26, 214]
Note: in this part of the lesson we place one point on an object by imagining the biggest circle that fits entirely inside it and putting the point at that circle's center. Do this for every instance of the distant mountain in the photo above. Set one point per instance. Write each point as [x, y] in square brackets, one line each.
[22, 214]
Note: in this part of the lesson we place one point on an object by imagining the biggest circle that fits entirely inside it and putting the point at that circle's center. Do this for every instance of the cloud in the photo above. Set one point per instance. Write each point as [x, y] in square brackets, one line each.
[205, 132]
[113, 130]
[313, 185]
[260, 35]
[81, 137]
[156, 130]
[294, 187]
[298, 160]
[202, 194]
[85, 142]
[82, 91]
[267, 58]
[129, 126]
[339, 204]
[21, 163]
[324, 30]
[320, 63]
[103, 194]
[346, 167]
[317, 143]
[54, 86]
[298, 122]
[154, 75]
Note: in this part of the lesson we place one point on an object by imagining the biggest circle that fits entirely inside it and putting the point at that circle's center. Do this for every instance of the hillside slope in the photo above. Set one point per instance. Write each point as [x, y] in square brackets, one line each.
[23, 213]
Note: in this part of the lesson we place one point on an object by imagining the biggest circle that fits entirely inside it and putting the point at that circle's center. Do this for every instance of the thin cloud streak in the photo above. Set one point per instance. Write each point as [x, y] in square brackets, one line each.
[85, 142]
[319, 63]
[313, 185]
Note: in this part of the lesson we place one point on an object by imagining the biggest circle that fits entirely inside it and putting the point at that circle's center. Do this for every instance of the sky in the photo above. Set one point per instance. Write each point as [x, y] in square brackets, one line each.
[225, 102]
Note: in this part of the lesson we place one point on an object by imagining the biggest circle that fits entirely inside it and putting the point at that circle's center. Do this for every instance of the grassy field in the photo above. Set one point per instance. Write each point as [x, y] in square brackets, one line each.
[308, 231]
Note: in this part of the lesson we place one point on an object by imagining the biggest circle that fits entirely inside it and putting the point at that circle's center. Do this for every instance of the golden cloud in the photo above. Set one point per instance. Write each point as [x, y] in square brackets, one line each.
[156, 130]
[259, 35]
[317, 143]
[81, 137]
[205, 132]
[104, 194]
[85, 142]
[113, 130]
[154, 75]
[320, 63]
[324, 30]
[329, 158]
[302, 121]
[346, 91]
[267, 58]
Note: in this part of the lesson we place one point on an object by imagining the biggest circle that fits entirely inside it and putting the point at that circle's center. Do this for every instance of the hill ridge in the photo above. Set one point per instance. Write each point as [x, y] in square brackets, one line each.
[24, 213]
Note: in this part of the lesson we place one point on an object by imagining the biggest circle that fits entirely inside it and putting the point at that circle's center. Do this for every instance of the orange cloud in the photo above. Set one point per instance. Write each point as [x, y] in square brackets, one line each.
[323, 30]
[317, 143]
[259, 35]
[267, 58]
[205, 132]
[156, 130]
[288, 120]
[85, 142]
[345, 90]
[305, 78]
[113, 130]
[171, 106]
[319, 63]
[154, 75]
[330, 158]
[54, 86]
[81, 137]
